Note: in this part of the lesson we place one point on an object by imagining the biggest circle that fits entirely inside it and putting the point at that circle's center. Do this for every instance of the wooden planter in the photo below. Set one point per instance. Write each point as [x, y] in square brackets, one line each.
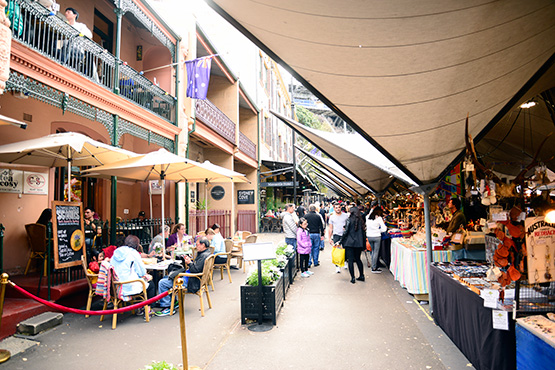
[272, 300]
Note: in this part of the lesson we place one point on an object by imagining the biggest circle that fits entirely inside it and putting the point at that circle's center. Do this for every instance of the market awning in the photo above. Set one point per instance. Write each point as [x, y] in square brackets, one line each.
[357, 188]
[321, 172]
[332, 186]
[353, 153]
[405, 74]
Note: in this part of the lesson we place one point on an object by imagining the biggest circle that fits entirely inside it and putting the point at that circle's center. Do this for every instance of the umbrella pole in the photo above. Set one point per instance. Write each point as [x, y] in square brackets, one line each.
[163, 224]
[205, 204]
[69, 180]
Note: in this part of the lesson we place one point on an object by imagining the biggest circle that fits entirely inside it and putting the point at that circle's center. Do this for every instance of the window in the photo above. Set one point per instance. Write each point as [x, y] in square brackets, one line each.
[103, 32]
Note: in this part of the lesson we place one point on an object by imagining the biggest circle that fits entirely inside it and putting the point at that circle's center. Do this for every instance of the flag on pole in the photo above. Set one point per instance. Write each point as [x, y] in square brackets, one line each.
[198, 77]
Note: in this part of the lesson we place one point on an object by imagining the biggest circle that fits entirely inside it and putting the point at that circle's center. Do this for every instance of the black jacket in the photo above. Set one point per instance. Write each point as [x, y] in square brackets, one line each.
[315, 225]
[193, 285]
[352, 238]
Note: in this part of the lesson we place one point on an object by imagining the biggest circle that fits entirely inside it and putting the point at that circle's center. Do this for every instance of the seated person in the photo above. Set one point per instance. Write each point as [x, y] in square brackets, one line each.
[218, 243]
[193, 284]
[178, 238]
[157, 241]
[128, 265]
[93, 226]
[45, 217]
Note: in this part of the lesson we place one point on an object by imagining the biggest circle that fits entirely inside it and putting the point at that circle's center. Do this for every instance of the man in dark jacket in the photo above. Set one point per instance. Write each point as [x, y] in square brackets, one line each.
[300, 210]
[316, 231]
[193, 284]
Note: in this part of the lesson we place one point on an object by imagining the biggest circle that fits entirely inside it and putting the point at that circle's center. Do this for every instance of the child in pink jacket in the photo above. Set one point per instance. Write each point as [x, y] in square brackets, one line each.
[304, 246]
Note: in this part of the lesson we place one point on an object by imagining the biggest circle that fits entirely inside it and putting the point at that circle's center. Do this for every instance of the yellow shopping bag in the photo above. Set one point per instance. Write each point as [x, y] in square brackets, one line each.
[338, 256]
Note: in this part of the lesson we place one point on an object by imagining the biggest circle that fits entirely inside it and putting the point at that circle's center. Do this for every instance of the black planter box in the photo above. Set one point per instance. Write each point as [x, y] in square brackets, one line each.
[292, 266]
[272, 300]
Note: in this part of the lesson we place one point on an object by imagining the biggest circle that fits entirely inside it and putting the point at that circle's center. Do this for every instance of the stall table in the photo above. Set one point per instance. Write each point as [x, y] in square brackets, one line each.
[461, 314]
[535, 343]
[409, 265]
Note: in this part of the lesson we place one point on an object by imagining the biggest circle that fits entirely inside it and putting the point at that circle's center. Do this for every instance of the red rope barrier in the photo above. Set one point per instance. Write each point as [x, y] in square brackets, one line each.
[85, 312]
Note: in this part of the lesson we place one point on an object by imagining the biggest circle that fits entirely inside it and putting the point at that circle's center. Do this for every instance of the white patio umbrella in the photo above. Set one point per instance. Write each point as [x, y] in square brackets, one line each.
[163, 165]
[4, 120]
[60, 150]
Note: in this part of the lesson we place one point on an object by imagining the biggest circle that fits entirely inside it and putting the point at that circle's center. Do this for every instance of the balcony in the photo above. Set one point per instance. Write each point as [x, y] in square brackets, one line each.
[51, 37]
[247, 146]
[215, 119]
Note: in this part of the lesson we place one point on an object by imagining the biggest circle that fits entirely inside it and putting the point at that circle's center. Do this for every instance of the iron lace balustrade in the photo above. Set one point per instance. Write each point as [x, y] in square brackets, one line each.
[247, 146]
[216, 119]
[37, 28]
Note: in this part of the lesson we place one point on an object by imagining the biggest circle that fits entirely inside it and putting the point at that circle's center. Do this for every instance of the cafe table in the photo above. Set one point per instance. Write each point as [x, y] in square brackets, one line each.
[409, 265]
[158, 269]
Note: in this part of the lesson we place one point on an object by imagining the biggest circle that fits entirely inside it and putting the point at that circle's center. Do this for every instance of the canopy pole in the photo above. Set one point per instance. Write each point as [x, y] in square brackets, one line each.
[425, 191]
[163, 185]
[205, 204]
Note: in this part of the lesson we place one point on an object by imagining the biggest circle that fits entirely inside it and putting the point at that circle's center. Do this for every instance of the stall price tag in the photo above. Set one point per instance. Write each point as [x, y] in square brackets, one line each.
[490, 296]
[501, 216]
[500, 319]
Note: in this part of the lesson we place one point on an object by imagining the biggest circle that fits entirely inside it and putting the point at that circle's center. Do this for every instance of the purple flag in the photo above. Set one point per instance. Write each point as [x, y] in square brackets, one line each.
[198, 77]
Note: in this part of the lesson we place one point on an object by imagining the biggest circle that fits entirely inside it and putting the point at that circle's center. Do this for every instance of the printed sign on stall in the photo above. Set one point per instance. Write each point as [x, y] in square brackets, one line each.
[156, 186]
[11, 181]
[540, 245]
[35, 183]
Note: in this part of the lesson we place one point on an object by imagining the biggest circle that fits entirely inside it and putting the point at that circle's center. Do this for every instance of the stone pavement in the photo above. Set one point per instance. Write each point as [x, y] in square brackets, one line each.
[326, 323]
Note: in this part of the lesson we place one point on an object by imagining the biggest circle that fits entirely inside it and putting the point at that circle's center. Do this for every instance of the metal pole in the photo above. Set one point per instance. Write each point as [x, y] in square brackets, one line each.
[429, 254]
[4, 353]
[294, 171]
[181, 308]
[2, 228]
[119, 14]
[205, 204]
[114, 188]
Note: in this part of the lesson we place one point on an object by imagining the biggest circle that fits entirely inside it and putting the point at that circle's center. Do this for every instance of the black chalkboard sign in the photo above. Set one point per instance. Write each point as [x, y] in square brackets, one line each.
[68, 233]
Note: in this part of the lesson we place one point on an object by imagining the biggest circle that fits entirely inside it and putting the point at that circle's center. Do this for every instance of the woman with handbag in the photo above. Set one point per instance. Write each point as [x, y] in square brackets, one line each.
[374, 229]
[353, 242]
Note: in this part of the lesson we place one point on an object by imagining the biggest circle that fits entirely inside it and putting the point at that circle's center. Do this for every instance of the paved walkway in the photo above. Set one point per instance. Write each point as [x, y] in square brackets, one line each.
[326, 323]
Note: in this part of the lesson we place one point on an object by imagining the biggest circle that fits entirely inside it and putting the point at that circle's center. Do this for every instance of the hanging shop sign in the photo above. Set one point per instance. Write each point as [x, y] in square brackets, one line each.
[217, 192]
[68, 233]
[156, 186]
[278, 184]
[245, 196]
[11, 181]
[35, 183]
[540, 245]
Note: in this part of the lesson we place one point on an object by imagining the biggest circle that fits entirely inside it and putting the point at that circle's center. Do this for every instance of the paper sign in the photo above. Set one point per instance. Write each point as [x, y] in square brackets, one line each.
[259, 251]
[156, 186]
[500, 319]
[501, 216]
[35, 183]
[490, 296]
[509, 294]
[11, 181]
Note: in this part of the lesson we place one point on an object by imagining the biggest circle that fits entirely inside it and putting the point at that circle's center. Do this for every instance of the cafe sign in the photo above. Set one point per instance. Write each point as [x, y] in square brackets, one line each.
[11, 181]
[35, 183]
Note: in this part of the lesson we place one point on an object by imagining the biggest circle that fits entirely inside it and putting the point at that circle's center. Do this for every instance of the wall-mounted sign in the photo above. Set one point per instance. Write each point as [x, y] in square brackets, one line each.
[217, 192]
[193, 196]
[278, 184]
[35, 183]
[245, 196]
[156, 186]
[11, 181]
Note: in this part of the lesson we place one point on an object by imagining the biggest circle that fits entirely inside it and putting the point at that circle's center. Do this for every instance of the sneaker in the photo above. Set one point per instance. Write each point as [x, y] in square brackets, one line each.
[377, 271]
[165, 312]
[338, 269]
[305, 275]
[309, 272]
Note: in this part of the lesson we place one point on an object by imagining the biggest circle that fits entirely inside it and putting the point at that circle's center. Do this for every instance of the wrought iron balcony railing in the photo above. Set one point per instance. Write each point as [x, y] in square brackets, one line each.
[216, 119]
[36, 27]
[247, 146]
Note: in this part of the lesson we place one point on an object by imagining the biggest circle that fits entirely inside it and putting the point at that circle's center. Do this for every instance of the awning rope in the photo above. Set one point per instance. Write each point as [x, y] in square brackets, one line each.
[86, 312]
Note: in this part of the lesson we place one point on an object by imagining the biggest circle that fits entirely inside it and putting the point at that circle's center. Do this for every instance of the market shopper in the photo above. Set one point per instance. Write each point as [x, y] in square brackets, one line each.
[374, 229]
[316, 230]
[353, 242]
[336, 224]
[458, 218]
[304, 247]
[289, 225]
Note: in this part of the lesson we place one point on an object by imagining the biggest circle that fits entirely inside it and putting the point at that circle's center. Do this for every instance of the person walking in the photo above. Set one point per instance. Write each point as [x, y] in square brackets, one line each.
[374, 229]
[336, 224]
[289, 225]
[353, 242]
[304, 247]
[316, 231]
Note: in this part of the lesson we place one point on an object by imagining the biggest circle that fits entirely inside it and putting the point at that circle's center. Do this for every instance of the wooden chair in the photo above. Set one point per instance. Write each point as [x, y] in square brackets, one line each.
[242, 234]
[36, 237]
[116, 285]
[91, 280]
[224, 266]
[265, 225]
[250, 239]
[204, 278]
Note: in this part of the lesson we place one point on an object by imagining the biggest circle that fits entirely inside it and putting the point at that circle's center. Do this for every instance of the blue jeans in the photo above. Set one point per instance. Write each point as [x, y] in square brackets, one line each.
[291, 241]
[315, 251]
[375, 243]
[166, 284]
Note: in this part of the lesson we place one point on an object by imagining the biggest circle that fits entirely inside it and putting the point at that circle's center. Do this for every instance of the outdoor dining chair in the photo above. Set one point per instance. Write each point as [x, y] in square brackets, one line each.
[119, 301]
[91, 281]
[36, 237]
[204, 278]
[226, 264]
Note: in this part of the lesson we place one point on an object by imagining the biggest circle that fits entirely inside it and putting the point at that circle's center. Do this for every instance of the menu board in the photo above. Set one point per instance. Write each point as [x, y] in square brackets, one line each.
[68, 233]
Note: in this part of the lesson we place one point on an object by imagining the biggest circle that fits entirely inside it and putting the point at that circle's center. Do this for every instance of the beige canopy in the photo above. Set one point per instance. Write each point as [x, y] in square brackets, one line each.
[405, 73]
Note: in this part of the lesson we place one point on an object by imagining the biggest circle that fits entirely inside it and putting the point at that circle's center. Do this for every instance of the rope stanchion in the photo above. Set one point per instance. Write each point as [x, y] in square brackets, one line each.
[86, 312]
[4, 353]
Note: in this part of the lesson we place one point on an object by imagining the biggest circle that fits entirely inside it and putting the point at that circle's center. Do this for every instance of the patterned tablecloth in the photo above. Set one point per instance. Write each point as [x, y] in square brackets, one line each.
[409, 264]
